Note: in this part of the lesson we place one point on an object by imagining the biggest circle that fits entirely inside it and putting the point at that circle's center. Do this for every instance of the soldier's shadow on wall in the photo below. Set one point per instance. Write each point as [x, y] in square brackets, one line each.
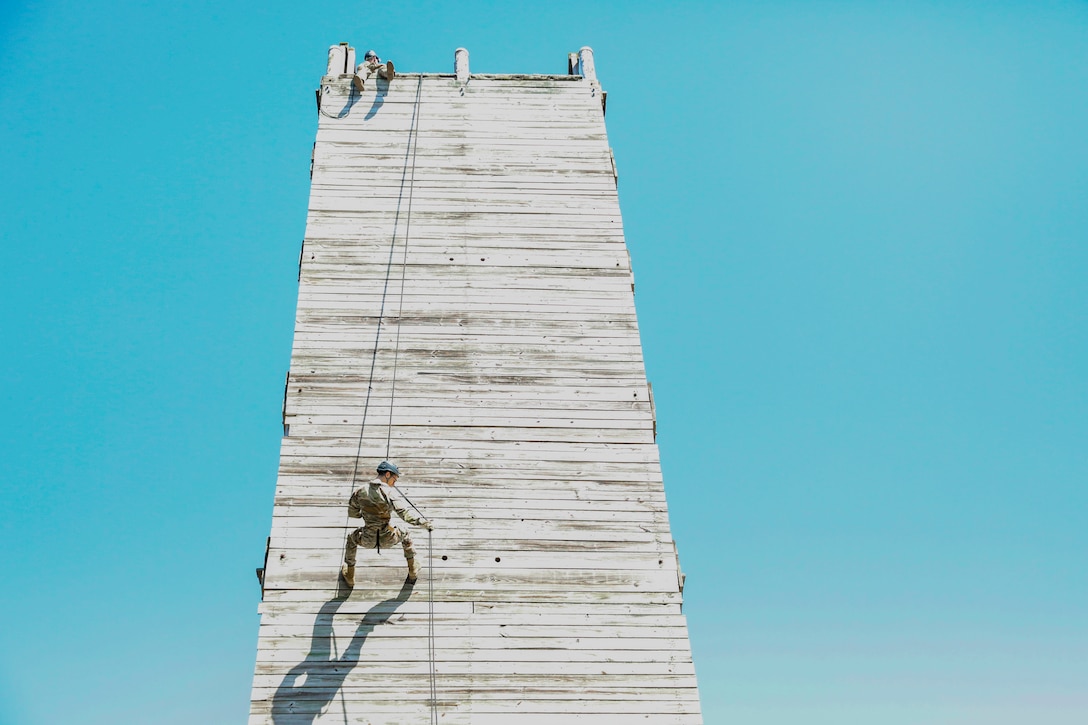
[311, 685]
[382, 87]
[354, 96]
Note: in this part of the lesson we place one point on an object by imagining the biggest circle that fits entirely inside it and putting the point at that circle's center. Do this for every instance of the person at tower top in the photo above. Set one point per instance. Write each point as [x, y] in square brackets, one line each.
[371, 66]
[375, 507]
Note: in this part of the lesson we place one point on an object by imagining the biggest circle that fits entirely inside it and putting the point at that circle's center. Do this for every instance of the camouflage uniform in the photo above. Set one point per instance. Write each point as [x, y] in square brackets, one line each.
[375, 507]
[370, 68]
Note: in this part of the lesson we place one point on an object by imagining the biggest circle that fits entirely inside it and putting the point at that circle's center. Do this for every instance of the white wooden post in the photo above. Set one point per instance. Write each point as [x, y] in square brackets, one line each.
[460, 65]
[585, 63]
[349, 61]
[337, 58]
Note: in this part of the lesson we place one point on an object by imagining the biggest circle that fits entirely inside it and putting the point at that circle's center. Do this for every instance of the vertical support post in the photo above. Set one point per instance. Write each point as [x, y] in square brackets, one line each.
[349, 61]
[460, 65]
[337, 59]
[341, 60]
[585, 64]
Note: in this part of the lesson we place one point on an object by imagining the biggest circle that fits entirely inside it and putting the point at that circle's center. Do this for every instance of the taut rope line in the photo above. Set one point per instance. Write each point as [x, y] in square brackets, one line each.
[409, 151]
[392, 395]
[412, 149]
[403, 271]
[430, 625]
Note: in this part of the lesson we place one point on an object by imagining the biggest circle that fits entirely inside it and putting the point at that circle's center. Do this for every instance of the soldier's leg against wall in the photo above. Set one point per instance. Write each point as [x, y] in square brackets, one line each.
[350, 547]
[394, 536]
[409, 550]
[406, 543]
[362, 74]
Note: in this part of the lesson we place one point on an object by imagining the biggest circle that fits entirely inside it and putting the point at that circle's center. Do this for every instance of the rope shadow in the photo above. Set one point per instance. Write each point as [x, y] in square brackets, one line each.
[321, 675]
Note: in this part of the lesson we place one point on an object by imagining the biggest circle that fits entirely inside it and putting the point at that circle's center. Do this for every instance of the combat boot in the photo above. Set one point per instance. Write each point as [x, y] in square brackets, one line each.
[413, 570]
[348, 573]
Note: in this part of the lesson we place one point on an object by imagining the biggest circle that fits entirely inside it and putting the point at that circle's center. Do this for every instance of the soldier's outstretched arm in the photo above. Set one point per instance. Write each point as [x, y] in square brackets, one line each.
[407, 515]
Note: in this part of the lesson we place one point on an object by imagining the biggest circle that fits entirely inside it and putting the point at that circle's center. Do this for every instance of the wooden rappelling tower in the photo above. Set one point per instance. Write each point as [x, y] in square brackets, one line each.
[466, 310]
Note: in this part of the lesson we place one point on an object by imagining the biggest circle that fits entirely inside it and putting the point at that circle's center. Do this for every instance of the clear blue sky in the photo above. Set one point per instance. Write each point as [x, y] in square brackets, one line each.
[860, 237]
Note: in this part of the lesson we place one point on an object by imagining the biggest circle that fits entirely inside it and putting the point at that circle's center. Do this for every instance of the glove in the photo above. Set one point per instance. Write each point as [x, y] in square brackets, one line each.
[428, 525]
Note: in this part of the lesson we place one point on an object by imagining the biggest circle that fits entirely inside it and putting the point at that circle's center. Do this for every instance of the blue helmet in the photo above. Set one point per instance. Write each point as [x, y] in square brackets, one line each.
[386, 466]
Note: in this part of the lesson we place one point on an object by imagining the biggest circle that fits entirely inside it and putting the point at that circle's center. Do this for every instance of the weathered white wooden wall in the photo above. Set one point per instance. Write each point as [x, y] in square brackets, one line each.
[522, 421]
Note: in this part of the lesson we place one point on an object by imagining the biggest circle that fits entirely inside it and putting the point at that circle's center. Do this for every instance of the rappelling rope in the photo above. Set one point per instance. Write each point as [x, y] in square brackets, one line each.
[408, 152]
[430, 613]
[430, 627]
[389, 428]
[408, 155]
[413, 145]
[392, 394]
[403, 270]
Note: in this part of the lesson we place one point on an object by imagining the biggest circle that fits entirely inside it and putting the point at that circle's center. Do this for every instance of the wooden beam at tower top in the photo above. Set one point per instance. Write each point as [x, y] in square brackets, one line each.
[466, 309]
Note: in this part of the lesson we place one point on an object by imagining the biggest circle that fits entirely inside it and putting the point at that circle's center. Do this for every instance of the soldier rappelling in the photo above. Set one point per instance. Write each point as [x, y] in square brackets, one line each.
[376, 507]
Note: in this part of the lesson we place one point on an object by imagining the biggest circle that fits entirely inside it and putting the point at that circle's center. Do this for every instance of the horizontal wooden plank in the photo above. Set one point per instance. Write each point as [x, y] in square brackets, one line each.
[545, 533]
[501, 543]
[527, 611]
[382, 584]
[590, 391]
[323, 688]
[388, 192]
[539, 451]
[548, 711]
[452, 433]
[485, 560]
[516, 715]
[531, 188]
[442, 476]
[449, 270]
[466, 502]
[516, 668]
[533, 287]
[417, 613]
[344, 228]
[416, 409]
[448, 293]
[530, 583]
[438, 481]
[383, 409]
[317, 687]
